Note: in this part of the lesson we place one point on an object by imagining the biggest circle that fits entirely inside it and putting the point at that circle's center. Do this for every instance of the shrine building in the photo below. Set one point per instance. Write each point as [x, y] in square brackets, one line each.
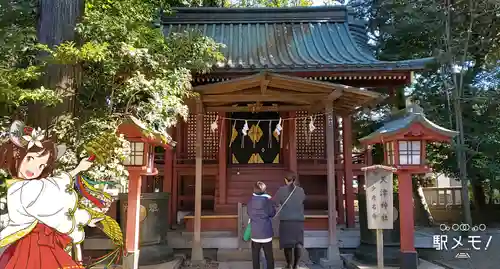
[264, 111]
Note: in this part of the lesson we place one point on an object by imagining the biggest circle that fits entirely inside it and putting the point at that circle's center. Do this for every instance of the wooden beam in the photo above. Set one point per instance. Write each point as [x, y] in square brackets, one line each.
[291, 98]
[320, 104]
[197, 249]
[223, 145]
[349, 189]
[333, 248]
[264, 83]
[315, 85]
[232, 85]
[275, 108]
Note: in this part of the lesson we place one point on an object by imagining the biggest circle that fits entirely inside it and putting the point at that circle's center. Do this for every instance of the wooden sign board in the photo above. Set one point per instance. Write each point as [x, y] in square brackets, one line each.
[379, 196]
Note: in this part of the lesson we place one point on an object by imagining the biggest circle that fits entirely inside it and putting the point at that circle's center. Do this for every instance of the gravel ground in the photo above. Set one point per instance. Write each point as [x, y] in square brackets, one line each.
[209, 264]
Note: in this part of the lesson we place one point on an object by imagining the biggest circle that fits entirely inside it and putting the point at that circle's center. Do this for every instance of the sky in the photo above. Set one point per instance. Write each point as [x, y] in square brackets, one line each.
[322, 2]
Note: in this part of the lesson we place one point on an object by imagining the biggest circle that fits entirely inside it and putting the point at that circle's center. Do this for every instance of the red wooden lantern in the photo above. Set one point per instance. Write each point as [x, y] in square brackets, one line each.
[405, 139]
[139, 163]
[142, 145]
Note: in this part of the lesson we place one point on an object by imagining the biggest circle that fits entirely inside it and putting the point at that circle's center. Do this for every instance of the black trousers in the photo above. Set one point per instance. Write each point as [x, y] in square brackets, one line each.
[268, 253]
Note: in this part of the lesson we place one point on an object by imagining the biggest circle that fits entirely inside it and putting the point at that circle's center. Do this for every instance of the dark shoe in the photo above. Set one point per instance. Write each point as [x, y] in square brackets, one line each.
[288, 266]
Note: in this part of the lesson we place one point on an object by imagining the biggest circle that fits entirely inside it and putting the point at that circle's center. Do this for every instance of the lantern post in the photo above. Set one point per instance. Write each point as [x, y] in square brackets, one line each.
[139, 163]
[404, 140]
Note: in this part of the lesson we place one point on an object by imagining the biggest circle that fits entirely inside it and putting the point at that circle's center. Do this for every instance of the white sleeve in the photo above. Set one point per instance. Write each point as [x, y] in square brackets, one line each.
[4, 215]
[82, 218]
[52, 201]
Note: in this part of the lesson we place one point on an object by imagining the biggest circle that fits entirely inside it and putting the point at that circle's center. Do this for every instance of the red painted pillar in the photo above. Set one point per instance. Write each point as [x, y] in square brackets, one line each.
[168, 181]
[339, 178]
[292, 143]
[179, 151]
[407, 225]
[222, 158]
[348, 177]
[133, 212]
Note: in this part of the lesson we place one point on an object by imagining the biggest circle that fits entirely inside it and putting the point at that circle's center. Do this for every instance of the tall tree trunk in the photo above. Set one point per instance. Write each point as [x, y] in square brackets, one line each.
[425, 215]
[479, 200]
[57, 22]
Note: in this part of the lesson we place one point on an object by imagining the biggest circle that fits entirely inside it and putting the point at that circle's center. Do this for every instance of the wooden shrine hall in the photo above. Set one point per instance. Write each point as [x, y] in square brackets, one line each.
[281, 101]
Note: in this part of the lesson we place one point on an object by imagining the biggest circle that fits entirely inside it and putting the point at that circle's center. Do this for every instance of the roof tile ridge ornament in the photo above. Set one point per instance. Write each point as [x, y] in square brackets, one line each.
[413, 107]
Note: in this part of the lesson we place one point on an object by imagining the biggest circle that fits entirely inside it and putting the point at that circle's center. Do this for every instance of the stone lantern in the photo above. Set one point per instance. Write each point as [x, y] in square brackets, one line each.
[404, 140]
[133, 213]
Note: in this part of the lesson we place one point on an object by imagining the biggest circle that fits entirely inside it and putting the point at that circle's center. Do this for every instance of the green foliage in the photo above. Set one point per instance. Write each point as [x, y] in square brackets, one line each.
[272, 3]
[127, 67]
[18, 50]
[405, 29]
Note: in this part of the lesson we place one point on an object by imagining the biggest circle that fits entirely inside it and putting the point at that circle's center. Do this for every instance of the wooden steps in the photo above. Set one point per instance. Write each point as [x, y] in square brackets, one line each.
[240, 182]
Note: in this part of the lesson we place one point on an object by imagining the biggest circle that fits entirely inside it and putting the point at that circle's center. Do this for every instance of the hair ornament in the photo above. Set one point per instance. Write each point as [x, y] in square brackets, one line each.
[26, 137]
[34, 138]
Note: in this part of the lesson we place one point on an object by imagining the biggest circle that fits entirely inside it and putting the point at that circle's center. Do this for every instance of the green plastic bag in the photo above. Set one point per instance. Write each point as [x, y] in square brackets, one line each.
[248, 232]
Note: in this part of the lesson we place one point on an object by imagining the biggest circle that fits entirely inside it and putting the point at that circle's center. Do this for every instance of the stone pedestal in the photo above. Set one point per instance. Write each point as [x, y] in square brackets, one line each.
[153, 227]
[333, 259]
[131, 260]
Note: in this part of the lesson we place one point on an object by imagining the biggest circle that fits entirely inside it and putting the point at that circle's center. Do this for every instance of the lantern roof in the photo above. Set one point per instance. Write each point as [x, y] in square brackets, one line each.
[378, 167]
[403, 121]
[133, 127]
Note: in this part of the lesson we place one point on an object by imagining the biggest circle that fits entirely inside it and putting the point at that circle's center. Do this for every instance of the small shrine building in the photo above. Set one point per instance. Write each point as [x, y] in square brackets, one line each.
[264, 111]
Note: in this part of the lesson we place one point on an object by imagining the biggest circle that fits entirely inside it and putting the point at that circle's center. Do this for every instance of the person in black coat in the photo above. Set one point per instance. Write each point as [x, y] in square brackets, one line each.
[261, 211]
[291, 197]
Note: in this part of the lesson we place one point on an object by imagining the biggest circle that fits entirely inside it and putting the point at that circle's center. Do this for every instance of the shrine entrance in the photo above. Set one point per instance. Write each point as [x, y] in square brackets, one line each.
[260, 145]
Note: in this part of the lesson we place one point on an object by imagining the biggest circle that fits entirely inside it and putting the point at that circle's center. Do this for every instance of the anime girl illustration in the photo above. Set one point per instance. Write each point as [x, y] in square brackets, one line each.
[46, 213]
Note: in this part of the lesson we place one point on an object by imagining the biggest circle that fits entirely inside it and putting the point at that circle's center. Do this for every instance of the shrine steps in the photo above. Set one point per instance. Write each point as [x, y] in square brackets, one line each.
[240, 183]
[347, 239]
[226, 209]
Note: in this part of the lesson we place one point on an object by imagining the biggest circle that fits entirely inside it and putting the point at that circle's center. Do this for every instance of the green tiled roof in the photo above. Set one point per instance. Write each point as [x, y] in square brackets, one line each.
[403, 119]
[286, 39]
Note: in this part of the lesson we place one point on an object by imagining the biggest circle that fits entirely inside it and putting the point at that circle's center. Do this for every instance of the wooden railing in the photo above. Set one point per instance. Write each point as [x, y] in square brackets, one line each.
[443, 197]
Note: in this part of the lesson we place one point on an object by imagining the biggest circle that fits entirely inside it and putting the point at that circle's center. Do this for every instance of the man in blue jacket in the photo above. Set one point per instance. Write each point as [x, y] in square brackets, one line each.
[261, 211]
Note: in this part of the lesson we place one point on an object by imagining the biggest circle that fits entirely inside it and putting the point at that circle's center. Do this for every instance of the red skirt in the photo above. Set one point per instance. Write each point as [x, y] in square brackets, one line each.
[43, 245]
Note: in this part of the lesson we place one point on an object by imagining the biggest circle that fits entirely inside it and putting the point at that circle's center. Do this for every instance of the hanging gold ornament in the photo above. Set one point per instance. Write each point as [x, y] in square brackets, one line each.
[234, 134]
[277, 158]
[234, 160]
[255, 133]
[255, 158]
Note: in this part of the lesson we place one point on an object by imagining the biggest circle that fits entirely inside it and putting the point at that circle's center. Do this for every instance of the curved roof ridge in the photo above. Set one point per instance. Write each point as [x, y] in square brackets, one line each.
[257, 15]
[296, 39]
